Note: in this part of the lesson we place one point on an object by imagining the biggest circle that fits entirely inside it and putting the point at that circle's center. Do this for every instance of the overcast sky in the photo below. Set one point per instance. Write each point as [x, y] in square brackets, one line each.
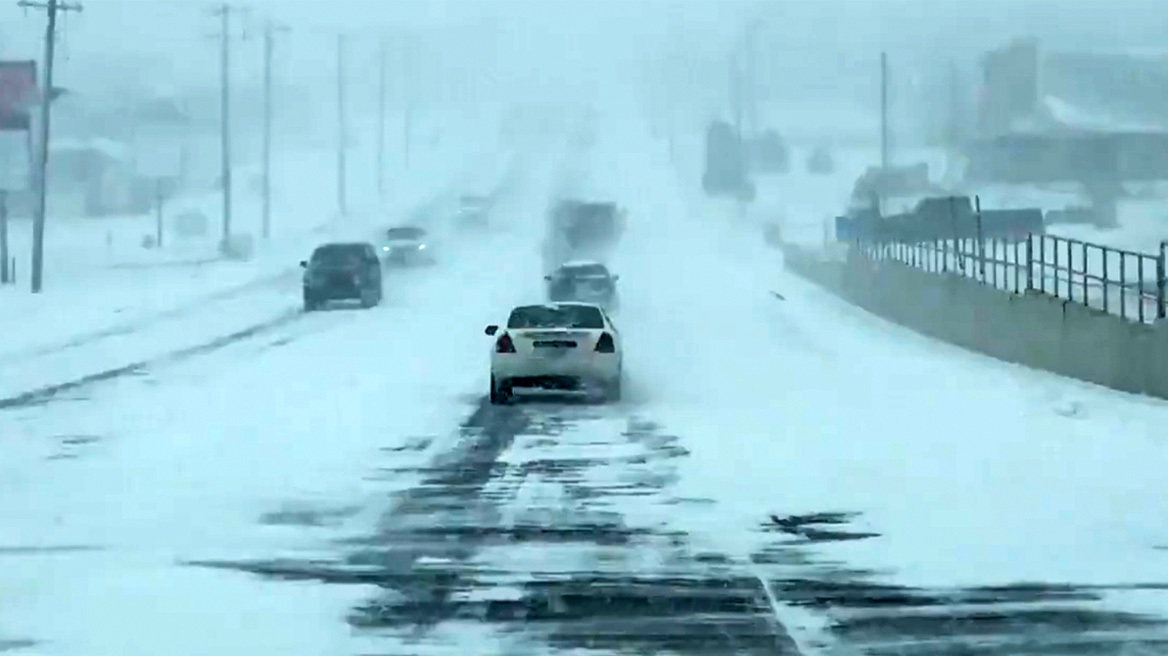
[556, 45]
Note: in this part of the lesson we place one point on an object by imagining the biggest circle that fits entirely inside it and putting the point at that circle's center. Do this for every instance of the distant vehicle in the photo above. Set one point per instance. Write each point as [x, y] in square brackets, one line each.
[893, 181]
[726, 172]
[821, 162]
[558, 346]
[585, 228]
[772, 234]
[770, 153]
[473, 211]
[340, 271]
[584, 281]
[407, 246]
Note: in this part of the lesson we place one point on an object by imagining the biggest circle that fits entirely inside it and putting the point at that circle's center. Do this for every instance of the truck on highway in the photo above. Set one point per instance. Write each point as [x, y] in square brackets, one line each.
[583, 228]
[726, 170]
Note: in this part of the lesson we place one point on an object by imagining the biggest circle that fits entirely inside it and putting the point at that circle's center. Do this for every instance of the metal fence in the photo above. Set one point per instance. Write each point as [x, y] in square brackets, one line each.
[1114, 280]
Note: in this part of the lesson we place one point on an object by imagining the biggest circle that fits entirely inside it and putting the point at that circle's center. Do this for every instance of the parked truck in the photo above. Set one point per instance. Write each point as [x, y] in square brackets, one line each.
[939, 218]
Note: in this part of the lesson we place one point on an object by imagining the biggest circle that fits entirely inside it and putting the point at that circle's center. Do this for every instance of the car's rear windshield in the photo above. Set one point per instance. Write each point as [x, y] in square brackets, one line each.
[405, 233]
[556, 316]
[338, 253]
[585, 271]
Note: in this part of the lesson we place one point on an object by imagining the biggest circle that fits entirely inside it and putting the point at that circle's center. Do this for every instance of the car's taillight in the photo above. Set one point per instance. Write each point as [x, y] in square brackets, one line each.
[504, 344]
[605, 344]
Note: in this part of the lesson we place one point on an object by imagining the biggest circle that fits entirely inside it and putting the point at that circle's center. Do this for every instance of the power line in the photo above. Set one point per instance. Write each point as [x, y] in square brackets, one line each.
[51, 8]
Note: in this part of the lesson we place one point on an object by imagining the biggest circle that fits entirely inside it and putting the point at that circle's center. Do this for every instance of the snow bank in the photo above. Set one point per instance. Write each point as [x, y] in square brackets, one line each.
[98, 276]
[972, 471]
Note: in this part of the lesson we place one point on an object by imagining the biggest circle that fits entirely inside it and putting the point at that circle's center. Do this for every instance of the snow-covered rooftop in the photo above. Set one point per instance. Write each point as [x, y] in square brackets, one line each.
[108, 147]
[1057, 114]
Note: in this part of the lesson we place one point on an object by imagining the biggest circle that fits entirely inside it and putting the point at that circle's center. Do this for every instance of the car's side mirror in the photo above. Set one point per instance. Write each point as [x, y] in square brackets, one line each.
[547, 278]
[303, 264]
[615, 278]
[491, 330]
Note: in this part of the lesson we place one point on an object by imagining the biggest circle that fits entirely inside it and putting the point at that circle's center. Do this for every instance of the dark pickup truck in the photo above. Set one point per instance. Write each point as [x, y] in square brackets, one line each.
[585, 225]
[940, 218]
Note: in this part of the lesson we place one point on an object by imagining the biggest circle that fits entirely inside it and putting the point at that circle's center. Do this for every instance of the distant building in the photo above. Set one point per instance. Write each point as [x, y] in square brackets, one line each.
[1068, 117]
[95, 177]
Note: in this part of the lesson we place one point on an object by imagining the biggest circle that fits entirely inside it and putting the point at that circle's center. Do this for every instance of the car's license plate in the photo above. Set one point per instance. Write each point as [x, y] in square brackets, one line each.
[553, 352]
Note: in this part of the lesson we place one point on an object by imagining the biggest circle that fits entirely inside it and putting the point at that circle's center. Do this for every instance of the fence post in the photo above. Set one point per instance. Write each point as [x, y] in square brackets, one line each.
[980, 239]
[1107, 282]
[1160, 279]
[1086, 276]
[1029, 261]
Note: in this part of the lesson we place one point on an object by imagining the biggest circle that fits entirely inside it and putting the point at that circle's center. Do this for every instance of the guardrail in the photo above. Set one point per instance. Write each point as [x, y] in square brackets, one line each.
[1115, 280]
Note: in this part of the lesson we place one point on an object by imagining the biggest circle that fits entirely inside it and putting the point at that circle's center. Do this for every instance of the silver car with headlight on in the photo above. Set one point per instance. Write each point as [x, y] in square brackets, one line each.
[407, 246]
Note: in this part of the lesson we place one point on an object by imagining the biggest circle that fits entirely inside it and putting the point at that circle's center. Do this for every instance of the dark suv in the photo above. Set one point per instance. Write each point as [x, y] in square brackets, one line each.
[342, 271]
[583, 281]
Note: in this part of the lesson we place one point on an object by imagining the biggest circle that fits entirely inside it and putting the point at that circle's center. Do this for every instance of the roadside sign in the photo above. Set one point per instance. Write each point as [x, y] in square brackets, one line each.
[18, 94]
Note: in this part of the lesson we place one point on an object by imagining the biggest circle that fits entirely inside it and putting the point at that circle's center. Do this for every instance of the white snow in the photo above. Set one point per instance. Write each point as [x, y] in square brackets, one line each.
[972, 471]
[180, 464]
[99, 279]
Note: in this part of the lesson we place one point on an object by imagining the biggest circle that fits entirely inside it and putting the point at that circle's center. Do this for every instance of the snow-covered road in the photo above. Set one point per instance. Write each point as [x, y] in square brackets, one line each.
[784, 476]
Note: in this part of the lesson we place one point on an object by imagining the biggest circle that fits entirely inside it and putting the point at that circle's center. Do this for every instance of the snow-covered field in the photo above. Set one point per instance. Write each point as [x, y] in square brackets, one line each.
[113, 304]
[783, 476]
[99, 277]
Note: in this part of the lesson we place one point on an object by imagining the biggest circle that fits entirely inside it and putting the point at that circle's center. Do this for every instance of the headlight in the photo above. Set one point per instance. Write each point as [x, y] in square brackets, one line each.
[421, 246]
[385, 248]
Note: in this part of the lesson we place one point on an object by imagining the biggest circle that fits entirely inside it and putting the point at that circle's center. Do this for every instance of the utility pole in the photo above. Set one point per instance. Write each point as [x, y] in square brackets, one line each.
[954, 107]
[883, 111]
[269, 38]
[159, 199]
[224, 13]
[736, 93]
[381, 121]
[342, 205]
[408, 109]
[51, 8]
[4, 237]
[266, 147]
[750, 85]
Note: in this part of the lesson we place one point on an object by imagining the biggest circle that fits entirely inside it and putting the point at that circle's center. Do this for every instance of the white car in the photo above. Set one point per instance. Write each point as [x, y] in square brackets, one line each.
[560, 346]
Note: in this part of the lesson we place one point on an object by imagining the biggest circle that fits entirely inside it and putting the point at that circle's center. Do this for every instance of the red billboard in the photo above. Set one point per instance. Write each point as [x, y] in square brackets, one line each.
[18, 94]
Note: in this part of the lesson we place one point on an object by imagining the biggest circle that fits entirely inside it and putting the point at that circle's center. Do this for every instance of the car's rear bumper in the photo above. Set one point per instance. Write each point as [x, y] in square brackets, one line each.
[334, 292]
[525, 370]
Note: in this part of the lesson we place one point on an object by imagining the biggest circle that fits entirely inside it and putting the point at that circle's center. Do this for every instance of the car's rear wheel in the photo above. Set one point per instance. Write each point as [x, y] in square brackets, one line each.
[612, 390]
[369, 298]
[500, 391]
[310, 303]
